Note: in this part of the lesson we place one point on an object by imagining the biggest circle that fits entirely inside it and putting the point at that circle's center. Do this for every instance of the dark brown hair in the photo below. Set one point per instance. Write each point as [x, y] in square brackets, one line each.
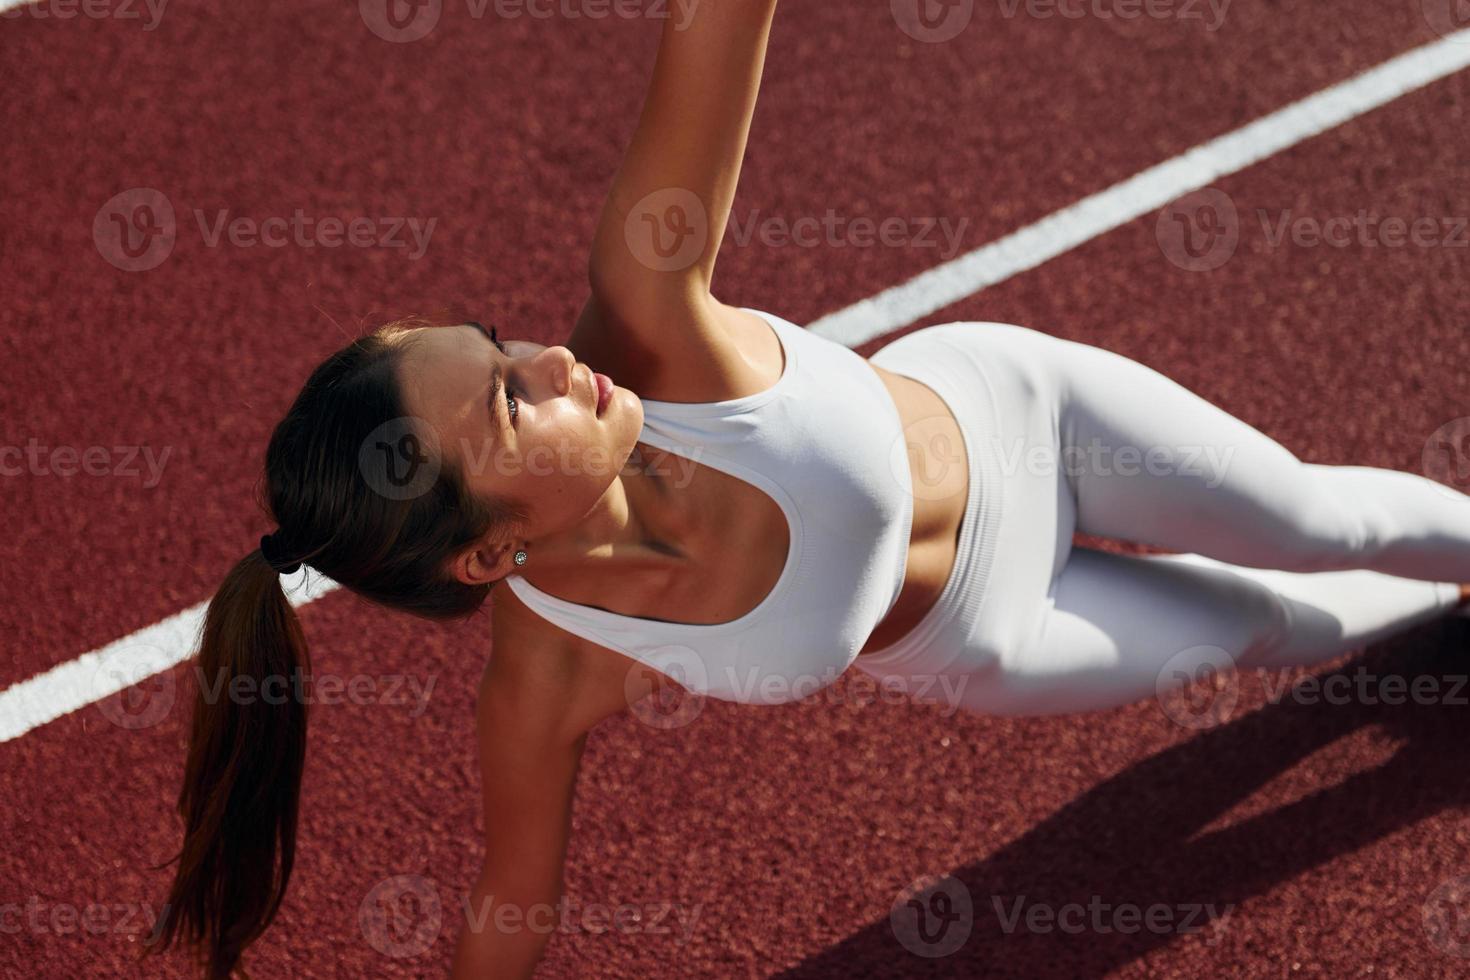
[330, 485]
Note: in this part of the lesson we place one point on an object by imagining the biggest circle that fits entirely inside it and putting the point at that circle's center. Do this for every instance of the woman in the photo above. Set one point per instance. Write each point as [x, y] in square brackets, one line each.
[771, 511]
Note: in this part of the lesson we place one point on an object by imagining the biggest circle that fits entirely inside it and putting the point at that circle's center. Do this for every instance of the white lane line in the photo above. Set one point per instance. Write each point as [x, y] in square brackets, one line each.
[1155, 187]
[122, 663]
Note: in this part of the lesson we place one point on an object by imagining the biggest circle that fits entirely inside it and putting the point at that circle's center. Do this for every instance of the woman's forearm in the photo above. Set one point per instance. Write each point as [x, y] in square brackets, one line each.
[499, 939]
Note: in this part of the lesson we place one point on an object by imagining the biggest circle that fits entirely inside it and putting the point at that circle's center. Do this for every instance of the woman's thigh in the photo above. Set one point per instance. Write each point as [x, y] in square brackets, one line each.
[1058, 628]
[1122, 628]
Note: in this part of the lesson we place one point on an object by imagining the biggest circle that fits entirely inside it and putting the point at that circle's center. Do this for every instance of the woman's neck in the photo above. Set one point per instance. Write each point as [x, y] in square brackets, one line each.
[639, 526]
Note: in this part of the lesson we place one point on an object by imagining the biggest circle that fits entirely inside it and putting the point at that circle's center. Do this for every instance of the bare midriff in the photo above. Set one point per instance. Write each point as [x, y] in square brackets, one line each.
[940, 471]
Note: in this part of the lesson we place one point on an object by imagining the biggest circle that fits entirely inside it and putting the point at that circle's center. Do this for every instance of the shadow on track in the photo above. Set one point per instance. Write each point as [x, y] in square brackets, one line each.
[1140, 829]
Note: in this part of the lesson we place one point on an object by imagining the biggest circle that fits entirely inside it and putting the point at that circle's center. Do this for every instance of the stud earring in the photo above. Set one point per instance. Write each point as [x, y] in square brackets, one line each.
[521, 557]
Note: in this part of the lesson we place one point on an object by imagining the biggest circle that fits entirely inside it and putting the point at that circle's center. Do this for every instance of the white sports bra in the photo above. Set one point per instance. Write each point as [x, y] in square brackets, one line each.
[826, 442]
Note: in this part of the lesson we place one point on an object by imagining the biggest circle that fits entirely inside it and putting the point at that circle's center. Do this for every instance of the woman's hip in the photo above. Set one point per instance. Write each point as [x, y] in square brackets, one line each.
[1017, 529]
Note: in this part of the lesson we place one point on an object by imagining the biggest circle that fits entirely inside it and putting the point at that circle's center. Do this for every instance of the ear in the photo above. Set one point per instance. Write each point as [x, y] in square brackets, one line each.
[484, 563]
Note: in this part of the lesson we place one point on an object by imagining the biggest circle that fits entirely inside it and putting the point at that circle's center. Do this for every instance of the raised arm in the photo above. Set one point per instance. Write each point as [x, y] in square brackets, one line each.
[653, 255]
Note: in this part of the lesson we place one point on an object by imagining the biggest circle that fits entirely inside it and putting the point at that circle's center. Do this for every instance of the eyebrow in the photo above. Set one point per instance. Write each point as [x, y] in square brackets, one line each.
[497, 378]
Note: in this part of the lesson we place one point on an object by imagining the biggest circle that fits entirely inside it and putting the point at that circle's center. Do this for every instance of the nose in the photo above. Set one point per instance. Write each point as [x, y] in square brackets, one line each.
[561, 363]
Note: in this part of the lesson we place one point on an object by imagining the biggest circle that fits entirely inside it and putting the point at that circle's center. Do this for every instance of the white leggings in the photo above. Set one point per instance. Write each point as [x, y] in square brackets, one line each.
[1278, 562]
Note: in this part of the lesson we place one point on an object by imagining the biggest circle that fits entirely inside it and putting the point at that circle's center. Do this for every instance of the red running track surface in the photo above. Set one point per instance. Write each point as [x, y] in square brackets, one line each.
[777, 837]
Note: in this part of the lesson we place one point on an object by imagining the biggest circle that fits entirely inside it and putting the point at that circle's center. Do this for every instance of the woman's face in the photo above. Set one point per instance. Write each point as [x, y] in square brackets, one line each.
[537, 439]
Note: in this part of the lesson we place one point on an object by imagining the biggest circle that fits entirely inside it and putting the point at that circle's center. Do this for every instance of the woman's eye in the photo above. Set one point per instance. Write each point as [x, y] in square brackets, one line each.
[512, 403]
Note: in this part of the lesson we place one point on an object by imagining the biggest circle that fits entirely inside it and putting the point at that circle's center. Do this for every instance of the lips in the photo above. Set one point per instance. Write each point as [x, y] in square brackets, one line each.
[604, 390]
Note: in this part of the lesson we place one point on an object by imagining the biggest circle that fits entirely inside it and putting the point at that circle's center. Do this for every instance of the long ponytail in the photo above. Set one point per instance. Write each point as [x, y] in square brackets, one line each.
[242, 779]
[242, 782]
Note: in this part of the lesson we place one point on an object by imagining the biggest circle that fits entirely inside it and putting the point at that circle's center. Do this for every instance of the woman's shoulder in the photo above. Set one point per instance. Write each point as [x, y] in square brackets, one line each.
[706, 351]
[552, 670]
